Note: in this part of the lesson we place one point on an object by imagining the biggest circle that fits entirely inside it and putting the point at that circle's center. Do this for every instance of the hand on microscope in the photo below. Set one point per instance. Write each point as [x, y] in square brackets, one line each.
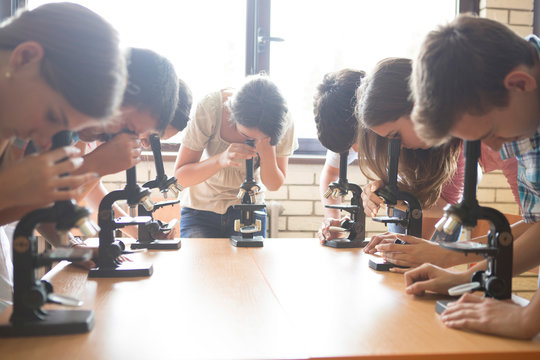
[413, 253]
[372, 202]
[234, 153]
[326, 232]
[490, 316]
[432, 278]
[36, 179]
[126, 149]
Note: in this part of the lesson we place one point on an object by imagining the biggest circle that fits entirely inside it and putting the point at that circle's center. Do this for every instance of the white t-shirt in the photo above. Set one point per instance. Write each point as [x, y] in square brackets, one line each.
[6, 271]
[202, 133]
[332, 158]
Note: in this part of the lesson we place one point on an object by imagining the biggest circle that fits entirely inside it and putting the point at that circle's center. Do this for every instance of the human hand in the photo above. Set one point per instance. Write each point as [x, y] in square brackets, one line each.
[124, 148]
[490, 316]
[370, 200]
[263, 147]
[234, 152]
[428, 277]
[40, 180]
[385, 238]
[414, 253]
[326, 233]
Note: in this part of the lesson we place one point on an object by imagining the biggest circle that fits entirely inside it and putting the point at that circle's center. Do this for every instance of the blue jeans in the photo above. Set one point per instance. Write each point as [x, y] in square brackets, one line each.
[401, 230]
[207, 224]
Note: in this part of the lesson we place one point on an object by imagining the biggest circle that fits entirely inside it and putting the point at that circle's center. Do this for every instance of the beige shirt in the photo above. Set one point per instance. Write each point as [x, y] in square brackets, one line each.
[202, 133]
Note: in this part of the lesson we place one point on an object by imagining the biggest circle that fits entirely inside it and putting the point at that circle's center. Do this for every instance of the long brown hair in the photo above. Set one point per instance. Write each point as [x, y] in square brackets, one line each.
[383, 97]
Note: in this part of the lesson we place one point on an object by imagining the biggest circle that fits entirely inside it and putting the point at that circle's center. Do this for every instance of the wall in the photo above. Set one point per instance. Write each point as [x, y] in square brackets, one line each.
[302, 209]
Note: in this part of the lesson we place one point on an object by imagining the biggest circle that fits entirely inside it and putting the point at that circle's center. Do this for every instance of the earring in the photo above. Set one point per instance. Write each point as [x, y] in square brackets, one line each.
[7, 74]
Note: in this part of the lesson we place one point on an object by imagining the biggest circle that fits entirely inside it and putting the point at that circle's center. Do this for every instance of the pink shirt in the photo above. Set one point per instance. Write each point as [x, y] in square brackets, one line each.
[489, 161]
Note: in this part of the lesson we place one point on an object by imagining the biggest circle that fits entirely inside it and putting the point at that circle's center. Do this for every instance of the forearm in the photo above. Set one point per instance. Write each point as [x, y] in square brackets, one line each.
[197, 172]
[271, 175]
[531, 318]
[526, 249]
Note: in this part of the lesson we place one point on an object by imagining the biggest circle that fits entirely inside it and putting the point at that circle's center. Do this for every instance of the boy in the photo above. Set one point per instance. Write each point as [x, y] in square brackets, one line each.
[477, 80]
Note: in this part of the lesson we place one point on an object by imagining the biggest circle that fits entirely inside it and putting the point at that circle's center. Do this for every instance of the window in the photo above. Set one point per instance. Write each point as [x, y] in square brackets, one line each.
[206, 39]
[323, 36]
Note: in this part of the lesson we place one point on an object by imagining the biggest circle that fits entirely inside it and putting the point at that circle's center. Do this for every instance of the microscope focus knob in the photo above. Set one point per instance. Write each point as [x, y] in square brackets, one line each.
[36, 296]
[495, 287]
[116, 248]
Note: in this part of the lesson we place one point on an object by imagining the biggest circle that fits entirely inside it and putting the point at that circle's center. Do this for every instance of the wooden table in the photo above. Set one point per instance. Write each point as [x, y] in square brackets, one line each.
[290, 299]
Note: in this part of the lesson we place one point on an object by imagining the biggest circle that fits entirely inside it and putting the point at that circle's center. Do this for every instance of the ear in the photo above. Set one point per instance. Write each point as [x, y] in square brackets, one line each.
[26, 54]
[519, 80]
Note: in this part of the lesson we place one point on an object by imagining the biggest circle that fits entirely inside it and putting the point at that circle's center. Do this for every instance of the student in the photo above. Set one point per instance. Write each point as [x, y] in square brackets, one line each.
[385, 104]
[47, 85]
[383, 110]
[211, 161]
[336, 127]
[475, 79]
[150, 103]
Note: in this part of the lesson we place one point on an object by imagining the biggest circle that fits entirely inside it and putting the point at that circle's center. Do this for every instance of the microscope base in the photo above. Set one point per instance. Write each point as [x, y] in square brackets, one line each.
[174, 244]
[382, 265]
[441, 305]
[346, 243]
[57, 322]
[124, 270]
[239, 241]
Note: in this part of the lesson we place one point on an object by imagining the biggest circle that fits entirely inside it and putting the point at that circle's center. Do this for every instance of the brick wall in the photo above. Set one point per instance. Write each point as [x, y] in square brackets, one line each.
[302, 210]
[517, 14]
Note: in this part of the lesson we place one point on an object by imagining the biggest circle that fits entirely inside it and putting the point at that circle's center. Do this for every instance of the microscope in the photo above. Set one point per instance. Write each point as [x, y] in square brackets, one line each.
[29, 294]
[150, 234]
[108, 264]
[247, 225]
[356, 225]
[496, 280]
[390, 193]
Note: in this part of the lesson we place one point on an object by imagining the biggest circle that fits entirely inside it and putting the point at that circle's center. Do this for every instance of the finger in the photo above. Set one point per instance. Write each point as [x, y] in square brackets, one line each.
[420, 287]
[398, 270]
[460, 314]
[72, 182]
[60, 153]
[397, 261]
[471, 298]
[67, 166]
[464, 324]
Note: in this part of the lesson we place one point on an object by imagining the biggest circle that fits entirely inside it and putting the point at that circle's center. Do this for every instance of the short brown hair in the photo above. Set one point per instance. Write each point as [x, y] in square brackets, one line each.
[82, 60]
[460, 69]
[333, 108]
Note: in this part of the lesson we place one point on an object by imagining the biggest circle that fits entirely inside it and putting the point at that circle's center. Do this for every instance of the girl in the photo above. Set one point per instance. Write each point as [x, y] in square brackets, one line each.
[210, 163]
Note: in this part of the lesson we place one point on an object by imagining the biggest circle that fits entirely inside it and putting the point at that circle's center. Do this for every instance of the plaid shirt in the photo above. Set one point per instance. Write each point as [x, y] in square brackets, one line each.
[527, 152]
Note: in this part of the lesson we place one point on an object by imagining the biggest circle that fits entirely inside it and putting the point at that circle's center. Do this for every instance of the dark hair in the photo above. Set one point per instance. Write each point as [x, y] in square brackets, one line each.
[152, 85]
[383, 97]
[259, 104]
[82, 59]
[461, 69]
[185, 100]
[333, 107]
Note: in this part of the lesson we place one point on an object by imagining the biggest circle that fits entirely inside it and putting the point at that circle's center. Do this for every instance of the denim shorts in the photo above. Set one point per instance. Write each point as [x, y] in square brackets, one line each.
[207, 224]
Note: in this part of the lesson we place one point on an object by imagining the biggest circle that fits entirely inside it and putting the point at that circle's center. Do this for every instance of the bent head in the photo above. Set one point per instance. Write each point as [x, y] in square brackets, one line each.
[60, 68]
